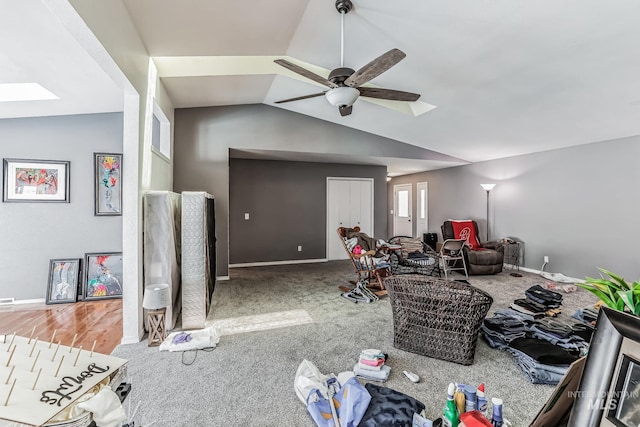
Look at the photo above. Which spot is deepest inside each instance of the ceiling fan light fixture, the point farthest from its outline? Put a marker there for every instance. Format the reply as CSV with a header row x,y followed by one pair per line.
x,y
342,96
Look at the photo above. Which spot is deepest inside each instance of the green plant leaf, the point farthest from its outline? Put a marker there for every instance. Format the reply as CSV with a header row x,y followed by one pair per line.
x,y
600,294
628,299
618,279
603,284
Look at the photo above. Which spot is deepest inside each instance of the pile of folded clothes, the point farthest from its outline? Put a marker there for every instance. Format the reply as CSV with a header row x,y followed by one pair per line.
x,y
371,366
539,302
588,314
541,361
544,348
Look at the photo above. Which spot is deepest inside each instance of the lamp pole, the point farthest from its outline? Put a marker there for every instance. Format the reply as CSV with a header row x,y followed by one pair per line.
x,y
488,188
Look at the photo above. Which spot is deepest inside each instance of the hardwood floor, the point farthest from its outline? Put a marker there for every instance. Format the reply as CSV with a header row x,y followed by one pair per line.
x,y
90,320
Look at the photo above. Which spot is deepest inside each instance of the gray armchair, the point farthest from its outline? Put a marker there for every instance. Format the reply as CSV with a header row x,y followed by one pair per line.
x,y
487,260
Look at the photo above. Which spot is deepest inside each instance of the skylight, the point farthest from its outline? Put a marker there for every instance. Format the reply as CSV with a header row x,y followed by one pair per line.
x,y
24,92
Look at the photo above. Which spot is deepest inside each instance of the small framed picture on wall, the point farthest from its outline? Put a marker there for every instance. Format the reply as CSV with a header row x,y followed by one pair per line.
x,y
108,184
63,281
103,276
35,181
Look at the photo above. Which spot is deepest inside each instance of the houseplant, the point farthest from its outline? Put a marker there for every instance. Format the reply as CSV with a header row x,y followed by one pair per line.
x,y
615,292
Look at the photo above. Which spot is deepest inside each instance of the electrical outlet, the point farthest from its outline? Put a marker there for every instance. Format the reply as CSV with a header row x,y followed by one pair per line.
x,y
546,258
299,248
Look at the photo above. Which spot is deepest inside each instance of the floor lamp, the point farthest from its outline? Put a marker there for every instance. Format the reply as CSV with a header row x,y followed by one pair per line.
x,y
488,188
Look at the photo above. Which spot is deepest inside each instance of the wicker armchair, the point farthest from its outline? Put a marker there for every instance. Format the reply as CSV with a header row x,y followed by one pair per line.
x,y
428,265
435,317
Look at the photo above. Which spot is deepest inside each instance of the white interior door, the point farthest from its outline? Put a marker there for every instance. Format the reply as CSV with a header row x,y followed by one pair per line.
x,y
349,204
422,213
402,225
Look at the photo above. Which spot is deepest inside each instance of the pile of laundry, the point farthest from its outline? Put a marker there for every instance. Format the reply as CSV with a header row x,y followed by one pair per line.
x,y
539,302
371,366
588,314
341,401
544,348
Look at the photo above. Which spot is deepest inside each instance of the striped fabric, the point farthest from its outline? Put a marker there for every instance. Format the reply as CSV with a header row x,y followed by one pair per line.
x,y
409,245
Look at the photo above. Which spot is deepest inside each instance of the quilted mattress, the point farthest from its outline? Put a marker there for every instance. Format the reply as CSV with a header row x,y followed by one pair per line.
x,y
197,257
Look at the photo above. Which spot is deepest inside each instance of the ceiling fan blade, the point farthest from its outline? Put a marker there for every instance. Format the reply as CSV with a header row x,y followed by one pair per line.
x,y
298,98
390,94
376,67
305,73
345,110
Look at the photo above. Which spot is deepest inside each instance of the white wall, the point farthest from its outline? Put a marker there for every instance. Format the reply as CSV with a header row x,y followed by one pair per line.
x,y
134,71
34,233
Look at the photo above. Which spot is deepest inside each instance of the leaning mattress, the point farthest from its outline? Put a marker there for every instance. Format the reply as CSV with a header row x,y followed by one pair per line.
x,y
196,274
162,246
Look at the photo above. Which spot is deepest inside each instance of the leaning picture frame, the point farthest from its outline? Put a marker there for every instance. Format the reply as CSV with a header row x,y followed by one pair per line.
x,y
35,180
62,286
103,276
609,390
107,183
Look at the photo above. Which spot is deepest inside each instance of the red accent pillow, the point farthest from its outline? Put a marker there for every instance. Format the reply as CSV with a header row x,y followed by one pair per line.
x,y
466,230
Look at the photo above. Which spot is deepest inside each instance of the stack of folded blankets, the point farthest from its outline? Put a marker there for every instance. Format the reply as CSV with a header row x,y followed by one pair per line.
x,y
543,348
371,366
539,302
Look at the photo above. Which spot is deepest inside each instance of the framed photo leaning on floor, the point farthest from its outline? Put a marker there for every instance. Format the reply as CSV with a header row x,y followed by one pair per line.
x,y
63,281
103,276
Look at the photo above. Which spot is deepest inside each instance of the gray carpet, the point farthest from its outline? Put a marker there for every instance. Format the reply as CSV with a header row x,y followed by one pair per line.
x,y
248,379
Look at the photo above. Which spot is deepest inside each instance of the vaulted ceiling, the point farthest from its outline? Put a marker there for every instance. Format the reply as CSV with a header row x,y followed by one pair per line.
x,y
506,77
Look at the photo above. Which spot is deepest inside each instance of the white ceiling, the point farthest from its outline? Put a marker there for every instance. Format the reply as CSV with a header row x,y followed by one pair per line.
x,y
35,47
508,77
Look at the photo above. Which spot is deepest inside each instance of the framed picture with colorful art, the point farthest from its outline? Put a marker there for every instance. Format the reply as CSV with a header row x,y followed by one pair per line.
x,y
108,184
63,281
103,276
35,181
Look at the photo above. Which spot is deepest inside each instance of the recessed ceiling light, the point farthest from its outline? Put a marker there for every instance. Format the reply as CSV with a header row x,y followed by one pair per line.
x,y
24,92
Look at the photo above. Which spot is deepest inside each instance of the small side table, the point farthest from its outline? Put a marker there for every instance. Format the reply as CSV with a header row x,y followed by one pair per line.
x,y
514,253
157,329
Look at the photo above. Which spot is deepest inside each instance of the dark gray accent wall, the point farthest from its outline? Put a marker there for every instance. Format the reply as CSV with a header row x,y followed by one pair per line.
x,y
577,205
33,233
287,206
203,137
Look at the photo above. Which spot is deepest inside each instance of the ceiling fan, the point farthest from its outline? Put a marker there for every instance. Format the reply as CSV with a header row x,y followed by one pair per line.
x,y
345,84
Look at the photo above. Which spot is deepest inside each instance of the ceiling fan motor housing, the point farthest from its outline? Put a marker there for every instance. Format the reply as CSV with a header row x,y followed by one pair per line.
x,y
339,75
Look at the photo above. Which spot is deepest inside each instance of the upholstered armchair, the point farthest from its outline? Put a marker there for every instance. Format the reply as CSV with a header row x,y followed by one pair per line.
x,y
480,257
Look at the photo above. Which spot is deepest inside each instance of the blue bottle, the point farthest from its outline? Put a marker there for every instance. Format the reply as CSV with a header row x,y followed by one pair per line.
x,y
496,418
470,398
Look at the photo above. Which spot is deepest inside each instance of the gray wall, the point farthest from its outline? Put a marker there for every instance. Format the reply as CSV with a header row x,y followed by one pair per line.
x,y
577,205
34,233
287,206
203,137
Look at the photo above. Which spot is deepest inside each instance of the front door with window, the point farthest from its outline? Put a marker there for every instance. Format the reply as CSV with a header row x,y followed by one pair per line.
x,y
402,225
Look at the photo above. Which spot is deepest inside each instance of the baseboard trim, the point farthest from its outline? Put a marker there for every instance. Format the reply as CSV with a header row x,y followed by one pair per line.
x,y
29,301
222,277
293,261
535,271
130,340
